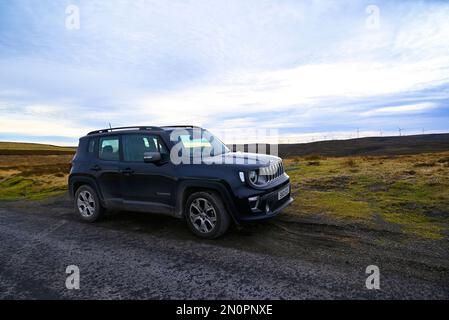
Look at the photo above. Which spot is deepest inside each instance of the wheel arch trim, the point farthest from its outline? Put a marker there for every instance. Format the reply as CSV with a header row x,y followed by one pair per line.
x,y
83,179
202,184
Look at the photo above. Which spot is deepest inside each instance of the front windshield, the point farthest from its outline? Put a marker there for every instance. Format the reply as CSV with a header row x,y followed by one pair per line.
x,y
199,142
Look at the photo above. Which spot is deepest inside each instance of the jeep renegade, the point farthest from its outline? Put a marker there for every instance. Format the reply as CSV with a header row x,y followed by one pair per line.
x,y
182,171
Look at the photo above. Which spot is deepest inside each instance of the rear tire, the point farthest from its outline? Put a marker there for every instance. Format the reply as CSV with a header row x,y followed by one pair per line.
x,y
206,215
87,204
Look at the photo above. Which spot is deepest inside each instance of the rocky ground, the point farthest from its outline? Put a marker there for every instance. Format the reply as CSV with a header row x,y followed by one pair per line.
x,y
142,256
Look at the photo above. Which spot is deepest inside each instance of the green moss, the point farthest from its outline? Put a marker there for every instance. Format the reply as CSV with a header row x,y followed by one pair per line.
x,y
416,224
18,187
14,187
380,185
344,206
334,204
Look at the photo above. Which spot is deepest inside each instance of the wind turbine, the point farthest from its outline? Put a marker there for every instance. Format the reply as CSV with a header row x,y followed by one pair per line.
x,y
400,131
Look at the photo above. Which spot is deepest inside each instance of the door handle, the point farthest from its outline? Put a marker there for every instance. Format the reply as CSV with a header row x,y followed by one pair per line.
x,y
127,171
95,168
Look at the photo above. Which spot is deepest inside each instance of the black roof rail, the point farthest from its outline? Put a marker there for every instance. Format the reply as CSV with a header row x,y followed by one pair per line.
x,y
124,128
181,126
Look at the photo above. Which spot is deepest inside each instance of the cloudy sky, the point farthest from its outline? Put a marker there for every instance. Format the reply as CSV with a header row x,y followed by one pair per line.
x,y
310,69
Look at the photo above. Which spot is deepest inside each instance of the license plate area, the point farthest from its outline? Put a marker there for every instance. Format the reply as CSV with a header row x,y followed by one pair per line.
x,y
283,192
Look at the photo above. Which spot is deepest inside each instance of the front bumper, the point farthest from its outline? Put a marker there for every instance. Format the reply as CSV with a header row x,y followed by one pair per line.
x,y
267,207
267,215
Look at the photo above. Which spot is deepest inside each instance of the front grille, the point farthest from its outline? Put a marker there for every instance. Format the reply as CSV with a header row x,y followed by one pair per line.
x,y
273,171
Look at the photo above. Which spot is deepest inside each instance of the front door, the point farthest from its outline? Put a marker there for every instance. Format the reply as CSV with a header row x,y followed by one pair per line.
x,y
146,187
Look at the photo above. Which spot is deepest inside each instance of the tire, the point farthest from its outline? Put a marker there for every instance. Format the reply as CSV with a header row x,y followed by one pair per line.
x,y
200,210
87,204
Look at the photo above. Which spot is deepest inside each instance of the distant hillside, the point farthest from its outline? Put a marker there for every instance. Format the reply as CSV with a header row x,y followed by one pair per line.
x,y
362,146
22,148
369,146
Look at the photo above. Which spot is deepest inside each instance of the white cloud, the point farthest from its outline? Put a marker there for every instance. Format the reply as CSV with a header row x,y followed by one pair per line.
x,y
303,90
41,109
35,126
403,109
221,65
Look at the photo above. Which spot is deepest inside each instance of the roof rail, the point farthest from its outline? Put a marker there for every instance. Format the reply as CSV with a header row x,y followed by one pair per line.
x,y
124,128
181,126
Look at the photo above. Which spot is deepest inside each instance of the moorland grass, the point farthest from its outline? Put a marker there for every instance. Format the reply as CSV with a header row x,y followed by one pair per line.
x,y
382,190
409,192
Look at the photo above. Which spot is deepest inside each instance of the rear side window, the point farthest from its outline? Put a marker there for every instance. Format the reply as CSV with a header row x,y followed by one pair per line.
x,y
109,149
135,145
91,146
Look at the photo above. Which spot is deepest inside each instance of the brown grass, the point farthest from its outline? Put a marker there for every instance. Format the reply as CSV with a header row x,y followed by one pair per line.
x,y
313,157
350,162
33,176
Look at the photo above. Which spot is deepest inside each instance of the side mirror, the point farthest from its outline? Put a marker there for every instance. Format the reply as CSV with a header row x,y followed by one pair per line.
x,y
151,156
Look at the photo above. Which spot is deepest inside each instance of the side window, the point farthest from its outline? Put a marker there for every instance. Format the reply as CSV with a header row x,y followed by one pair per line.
x,y
109,148
91,146
160,145
135,145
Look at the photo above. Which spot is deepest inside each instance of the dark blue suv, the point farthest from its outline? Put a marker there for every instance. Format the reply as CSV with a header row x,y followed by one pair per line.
x,y
182,171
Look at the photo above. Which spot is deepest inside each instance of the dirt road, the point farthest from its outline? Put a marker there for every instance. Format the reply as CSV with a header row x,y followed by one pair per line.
x,y
138,256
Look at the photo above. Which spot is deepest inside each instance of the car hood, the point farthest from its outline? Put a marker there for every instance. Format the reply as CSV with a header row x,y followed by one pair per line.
x,y
242,158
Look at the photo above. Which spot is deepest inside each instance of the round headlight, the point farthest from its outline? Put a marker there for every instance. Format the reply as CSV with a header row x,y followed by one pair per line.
x,y
253,177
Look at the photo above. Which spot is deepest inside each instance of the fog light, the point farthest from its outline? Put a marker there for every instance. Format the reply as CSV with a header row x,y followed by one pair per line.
x,y
267,208
253,202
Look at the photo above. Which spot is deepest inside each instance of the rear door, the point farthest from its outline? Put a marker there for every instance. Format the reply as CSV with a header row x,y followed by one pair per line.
x,y
146,187
106,170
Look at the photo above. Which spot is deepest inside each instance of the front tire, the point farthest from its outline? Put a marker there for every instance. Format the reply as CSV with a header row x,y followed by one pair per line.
x,y
206,215
87,204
